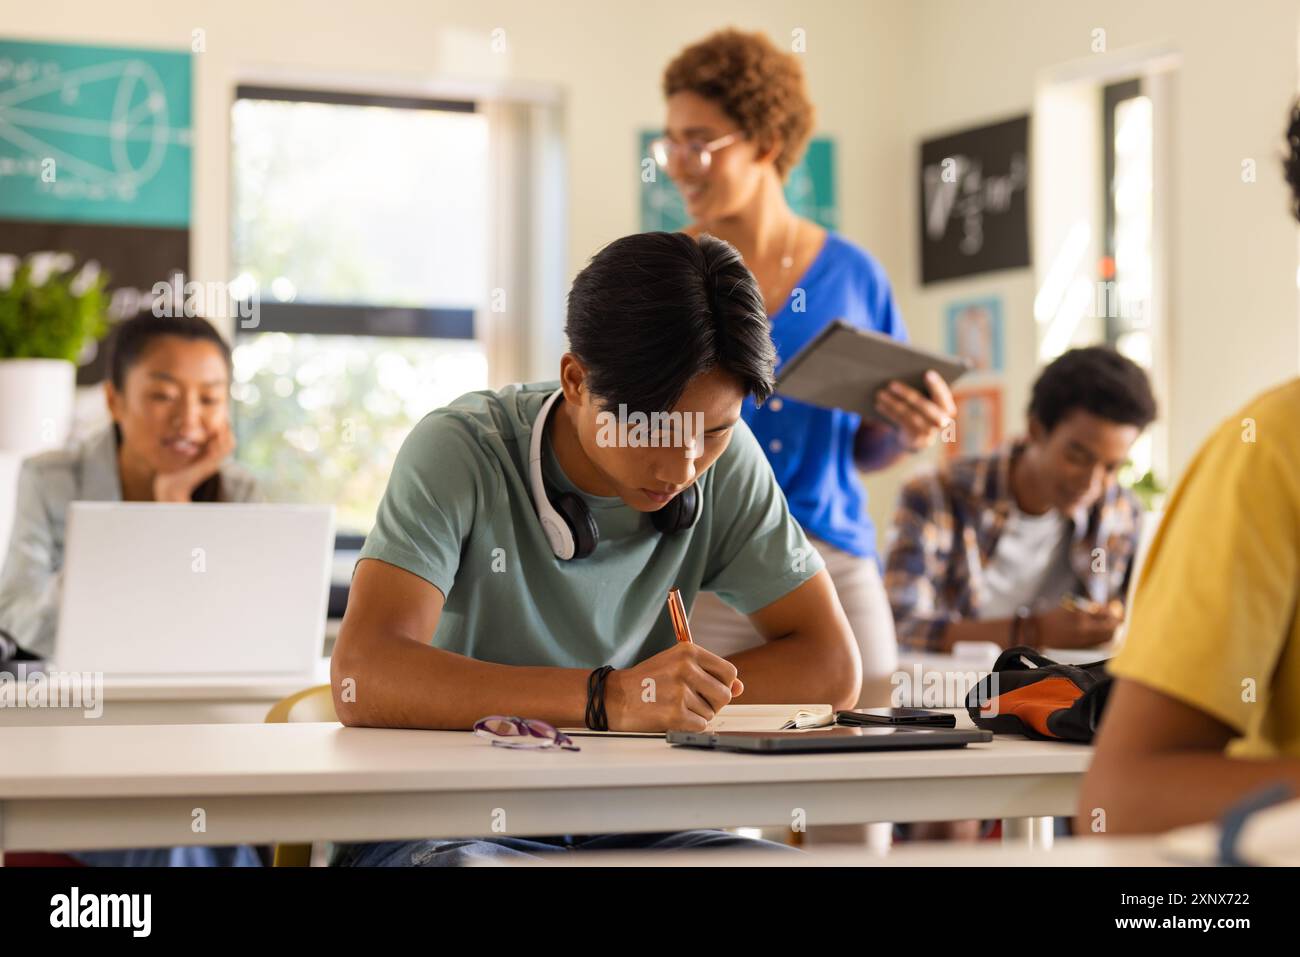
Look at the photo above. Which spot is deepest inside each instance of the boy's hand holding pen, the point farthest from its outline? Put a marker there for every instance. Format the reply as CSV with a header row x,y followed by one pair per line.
x,y
680,689
682,628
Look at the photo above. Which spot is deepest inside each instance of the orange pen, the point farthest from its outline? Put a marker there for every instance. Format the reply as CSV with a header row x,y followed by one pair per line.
x,y
677,612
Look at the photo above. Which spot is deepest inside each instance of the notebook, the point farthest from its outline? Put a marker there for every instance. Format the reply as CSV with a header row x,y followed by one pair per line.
x,y
741,717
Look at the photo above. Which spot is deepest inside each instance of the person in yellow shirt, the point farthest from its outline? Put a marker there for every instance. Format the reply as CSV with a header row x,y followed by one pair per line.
x,y
1206,704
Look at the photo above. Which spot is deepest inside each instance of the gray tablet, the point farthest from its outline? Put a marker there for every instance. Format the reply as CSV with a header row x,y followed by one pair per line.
x,y
830,739
843,367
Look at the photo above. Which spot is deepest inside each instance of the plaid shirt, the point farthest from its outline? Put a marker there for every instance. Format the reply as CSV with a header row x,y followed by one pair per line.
x,y
946,529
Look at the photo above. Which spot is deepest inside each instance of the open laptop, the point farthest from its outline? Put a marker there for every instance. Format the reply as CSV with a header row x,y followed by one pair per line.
x,y
195,591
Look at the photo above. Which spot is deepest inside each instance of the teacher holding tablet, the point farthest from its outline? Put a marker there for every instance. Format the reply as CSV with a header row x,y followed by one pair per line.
x,y
738,119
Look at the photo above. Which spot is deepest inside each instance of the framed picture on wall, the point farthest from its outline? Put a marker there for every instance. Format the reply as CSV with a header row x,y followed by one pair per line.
x,y
979,421
973,330
95,161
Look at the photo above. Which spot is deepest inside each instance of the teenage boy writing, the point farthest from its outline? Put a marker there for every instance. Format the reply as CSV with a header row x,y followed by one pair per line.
x,y
463,606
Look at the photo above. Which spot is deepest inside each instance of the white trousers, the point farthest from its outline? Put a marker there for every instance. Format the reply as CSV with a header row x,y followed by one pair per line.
x,y
724,631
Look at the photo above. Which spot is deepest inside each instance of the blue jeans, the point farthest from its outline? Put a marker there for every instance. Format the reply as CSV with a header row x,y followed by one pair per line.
x,y
239,855
457,852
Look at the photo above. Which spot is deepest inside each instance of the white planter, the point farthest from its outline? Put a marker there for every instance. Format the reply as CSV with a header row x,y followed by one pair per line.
x,y
36,399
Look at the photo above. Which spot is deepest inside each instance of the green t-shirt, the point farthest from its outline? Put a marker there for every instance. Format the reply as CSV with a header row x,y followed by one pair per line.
x,y
458,512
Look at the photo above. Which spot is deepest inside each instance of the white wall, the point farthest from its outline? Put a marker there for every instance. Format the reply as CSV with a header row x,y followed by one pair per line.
x,y
1233,310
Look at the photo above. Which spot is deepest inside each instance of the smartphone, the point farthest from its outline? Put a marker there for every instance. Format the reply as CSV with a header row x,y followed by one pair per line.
x,y
896,718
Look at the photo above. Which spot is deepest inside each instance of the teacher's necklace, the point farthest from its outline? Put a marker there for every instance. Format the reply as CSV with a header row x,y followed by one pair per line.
x,y
787,262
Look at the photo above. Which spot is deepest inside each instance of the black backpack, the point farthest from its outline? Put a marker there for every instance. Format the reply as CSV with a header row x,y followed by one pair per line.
x,y
1029,694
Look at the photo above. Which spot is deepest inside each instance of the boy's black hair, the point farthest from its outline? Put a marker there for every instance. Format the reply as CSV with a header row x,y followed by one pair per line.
x,y
653,310
1096,379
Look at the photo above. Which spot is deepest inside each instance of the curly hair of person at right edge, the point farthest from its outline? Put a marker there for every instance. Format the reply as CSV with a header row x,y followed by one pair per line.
x,y
1291,161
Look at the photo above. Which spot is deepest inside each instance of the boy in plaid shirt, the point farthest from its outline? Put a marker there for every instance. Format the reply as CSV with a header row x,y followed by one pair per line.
x,y
1032,544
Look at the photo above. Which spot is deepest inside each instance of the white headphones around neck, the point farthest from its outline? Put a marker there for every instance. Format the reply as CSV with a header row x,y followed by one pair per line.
x,y
566,520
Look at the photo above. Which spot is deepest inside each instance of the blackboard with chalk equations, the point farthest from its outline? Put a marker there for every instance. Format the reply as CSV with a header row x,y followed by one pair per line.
x,y
974,196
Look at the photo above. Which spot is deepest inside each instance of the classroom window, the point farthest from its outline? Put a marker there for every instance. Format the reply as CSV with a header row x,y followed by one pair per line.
x,y
1127,263
362,222
1101,223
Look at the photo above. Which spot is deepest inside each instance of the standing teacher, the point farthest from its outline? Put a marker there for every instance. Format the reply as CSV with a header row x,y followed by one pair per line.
x,y
738,121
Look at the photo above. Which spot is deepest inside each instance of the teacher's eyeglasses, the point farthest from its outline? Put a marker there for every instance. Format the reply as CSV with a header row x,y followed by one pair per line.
x,y
693,156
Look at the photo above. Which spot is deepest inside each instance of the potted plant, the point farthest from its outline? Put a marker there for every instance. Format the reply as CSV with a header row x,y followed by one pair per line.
x,y
48,314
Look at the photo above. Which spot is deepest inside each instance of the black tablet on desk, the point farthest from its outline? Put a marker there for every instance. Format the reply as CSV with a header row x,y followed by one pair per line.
x,y
830,739
843,367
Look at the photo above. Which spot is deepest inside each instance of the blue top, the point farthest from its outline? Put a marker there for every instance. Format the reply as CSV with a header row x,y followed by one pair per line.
x,y
811,448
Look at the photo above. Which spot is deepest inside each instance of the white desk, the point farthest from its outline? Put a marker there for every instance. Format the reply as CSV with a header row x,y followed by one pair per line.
x,y
170,701
104,786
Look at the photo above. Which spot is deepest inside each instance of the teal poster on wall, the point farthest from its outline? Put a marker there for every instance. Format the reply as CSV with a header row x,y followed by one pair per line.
x,y
810,190
95,134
